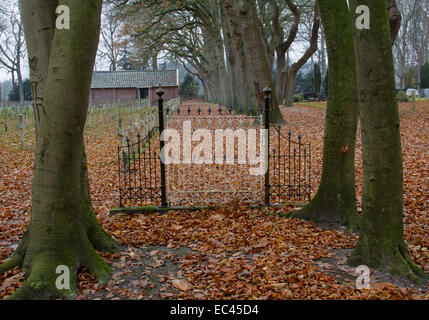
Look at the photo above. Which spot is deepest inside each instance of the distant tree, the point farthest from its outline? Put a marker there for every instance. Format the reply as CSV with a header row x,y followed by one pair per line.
x,y
12,42
124,61
293,70
425,76
413,38
189,88
409,78
304,82
14,92
129,61
111,40
317,78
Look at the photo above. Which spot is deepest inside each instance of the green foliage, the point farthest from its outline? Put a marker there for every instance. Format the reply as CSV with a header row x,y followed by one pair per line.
x,y
304,82
310,82
14,93
189,88
317,78
424,83
402,96
410,80
298,98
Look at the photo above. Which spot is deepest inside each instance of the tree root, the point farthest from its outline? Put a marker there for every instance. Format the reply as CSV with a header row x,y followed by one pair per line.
x,y
41,267
397,262
13,262
17,258
42,277
41,281
100,240
98,266
318,213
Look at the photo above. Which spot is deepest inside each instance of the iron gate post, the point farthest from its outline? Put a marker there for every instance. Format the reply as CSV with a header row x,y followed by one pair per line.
x,y
267,93
119,175
160,93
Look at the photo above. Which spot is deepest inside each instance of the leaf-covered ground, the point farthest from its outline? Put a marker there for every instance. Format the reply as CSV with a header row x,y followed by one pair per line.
x,y
230,253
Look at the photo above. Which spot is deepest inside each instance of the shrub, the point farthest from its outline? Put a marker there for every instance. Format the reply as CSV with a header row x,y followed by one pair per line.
x,y
298,98
402,96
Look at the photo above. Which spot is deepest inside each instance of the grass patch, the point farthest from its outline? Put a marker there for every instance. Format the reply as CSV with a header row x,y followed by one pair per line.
x,y
319,105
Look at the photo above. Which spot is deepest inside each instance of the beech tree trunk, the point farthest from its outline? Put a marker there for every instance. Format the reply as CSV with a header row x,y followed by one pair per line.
x,y
281,74
258,64
335,201
154,60
323,65
395,19
283,47
225,91
238,62
233,63
381,240
20,82
63,229
293,71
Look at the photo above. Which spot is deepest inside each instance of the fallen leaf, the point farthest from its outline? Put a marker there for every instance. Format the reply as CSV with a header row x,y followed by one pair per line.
x,y
181,285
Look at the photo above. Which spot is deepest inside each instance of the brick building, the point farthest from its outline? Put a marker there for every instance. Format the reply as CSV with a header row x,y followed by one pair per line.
x,y
107,86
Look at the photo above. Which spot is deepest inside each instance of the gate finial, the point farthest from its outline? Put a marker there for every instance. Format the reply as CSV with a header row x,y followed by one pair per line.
x,y
160,92
267,91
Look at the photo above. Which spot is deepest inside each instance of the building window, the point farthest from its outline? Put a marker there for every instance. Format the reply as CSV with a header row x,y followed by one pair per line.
x,y
144,93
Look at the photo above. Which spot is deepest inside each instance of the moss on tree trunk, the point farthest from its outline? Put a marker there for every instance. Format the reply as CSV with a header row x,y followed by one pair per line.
x,y
335,201
63,229
381,240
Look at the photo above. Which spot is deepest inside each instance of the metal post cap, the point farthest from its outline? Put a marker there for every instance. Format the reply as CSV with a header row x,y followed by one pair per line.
x,y
160,92
267,91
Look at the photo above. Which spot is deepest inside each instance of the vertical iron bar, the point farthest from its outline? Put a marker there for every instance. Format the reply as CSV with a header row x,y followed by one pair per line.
x,y
129,169
299,166
294,173
119,180
160,93
140,164
289,167
305,169
279,128
267,93
309,171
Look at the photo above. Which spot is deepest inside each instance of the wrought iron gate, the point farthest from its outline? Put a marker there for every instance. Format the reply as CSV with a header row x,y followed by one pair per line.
x,y
206,177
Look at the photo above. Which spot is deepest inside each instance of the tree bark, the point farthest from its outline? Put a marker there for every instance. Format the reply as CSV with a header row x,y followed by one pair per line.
x,y
225,92
40,19
293,71
254,48
283,47
154,59
233,73
323,63
238,62
395,19
381,240
335,201
20,82
63,229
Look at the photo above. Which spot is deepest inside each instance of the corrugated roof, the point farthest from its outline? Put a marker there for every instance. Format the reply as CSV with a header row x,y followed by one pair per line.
x,y
134,79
